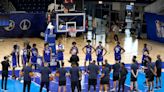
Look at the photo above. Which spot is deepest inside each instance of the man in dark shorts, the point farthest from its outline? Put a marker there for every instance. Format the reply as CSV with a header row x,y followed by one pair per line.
x,y
104,79
5,66
151,74
122,77
62,78
134,74
116,68
93,71
158,65
45,75
75,74
27,71
146,62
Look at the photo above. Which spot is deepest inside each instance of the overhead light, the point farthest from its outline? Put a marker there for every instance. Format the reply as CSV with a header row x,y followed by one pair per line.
x,y
100,2
131,3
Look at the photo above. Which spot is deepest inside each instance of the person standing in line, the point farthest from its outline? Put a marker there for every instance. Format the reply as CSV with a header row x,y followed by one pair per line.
x,y
88,53
100,53
18,54
75,74
93,71
45,76
28,46
151,74
116,68
24,55
107,65
34,56
74,51
47,53
60,52
5,66
62,78
122,77
134,75
14,60
118,50
135,59
145,67
145,53
104,79
27,74
158,64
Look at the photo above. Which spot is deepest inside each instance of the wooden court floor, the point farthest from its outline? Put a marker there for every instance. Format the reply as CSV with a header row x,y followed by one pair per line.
x,y
131,45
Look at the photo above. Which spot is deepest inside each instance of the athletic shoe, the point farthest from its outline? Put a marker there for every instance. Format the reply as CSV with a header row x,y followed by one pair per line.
x,y
113,89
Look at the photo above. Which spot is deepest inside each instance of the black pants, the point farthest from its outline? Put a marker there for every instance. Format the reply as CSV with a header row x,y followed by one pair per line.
x,y
18,60
4,77
42,85
28,58
28,84
98,63
92,82
121,83
75,84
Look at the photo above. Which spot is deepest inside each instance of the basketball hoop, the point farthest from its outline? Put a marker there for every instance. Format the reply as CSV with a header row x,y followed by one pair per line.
x,y
72,31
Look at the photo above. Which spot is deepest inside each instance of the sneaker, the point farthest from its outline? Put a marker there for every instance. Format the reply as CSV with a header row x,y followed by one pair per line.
x,y
113,89
160,87
5,90
156,87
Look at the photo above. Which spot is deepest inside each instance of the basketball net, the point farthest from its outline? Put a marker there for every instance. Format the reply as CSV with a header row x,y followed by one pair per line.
x,y
72,31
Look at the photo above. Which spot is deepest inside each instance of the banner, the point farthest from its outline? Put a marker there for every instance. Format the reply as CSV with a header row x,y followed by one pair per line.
x,y
155,27
24,25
